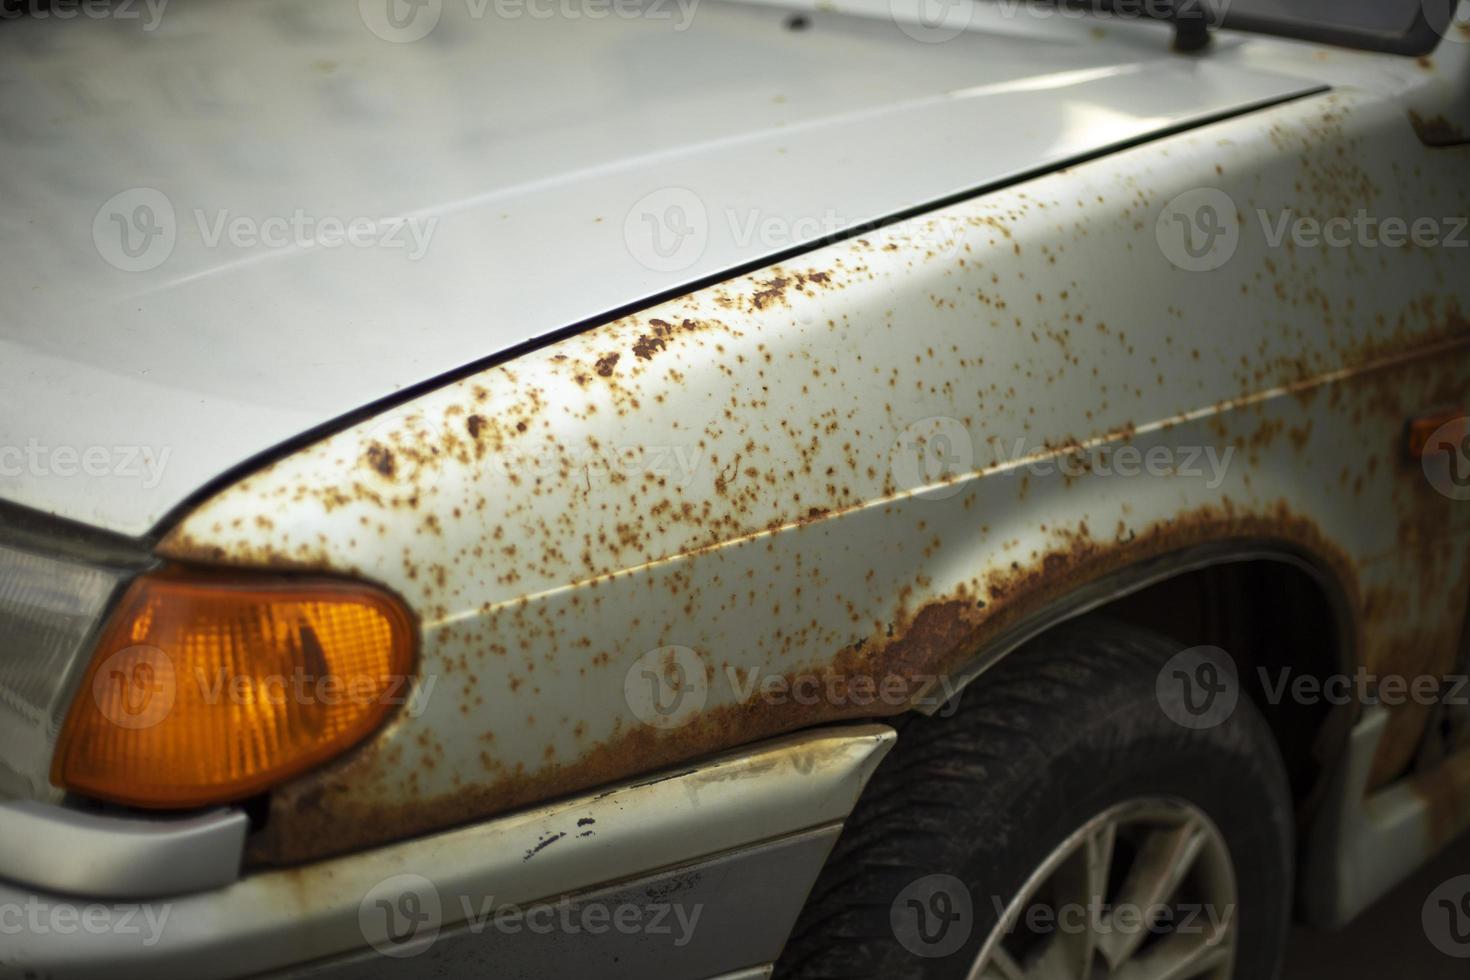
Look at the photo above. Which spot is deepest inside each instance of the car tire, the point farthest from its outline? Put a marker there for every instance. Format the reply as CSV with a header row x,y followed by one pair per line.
x,y
968,810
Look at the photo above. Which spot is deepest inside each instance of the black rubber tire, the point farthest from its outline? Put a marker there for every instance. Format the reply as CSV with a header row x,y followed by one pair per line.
x,y
1061,730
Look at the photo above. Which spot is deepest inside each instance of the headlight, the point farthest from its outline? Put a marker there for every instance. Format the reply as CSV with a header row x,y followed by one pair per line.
x,y
48,609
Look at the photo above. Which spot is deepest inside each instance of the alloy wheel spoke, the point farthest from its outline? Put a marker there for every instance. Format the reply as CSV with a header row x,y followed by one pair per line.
x,y
1181,957
1099,863
1160,866
1002,966
1169,843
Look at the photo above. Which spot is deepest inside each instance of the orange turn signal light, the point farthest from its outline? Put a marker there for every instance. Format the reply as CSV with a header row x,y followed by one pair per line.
x,y
1450,425
207,688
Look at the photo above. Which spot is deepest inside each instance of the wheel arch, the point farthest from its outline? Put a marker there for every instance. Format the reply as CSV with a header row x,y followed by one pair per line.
x,y
1236,595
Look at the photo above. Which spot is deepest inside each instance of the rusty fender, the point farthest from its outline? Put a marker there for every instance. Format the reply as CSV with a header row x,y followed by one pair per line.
x,y
730,473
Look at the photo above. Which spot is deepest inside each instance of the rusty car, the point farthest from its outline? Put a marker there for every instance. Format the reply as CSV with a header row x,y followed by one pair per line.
x,y
635,488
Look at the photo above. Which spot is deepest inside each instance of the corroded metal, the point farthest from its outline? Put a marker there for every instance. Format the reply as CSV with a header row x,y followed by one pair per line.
x,y
739,475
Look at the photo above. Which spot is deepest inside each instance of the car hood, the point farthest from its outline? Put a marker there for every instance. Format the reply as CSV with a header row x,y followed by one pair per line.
x,y
226,224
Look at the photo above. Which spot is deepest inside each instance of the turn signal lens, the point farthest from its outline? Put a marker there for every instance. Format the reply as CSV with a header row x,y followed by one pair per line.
x,y
209,689
1450,425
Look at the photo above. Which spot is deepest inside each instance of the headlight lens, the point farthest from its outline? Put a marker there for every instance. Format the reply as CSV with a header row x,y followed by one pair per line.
x,y
48,610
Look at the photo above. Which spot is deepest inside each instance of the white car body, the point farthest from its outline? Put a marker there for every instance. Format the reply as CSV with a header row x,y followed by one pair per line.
x,y
650,324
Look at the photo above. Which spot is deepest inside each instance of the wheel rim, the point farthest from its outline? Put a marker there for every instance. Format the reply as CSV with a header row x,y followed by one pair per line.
x,y
1145,890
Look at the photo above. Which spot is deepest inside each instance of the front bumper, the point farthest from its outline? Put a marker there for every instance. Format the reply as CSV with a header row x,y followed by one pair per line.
x,y
693,874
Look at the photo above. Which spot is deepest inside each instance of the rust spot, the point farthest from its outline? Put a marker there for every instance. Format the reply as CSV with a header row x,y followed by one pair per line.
x,y
380,458
1436,130
606,363
772,291
645,347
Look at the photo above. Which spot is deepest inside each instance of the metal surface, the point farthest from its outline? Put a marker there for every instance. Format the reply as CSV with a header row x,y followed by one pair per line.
x,y
540,196
278,919
1120,869
53,849
714,915
1372,841
769,521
